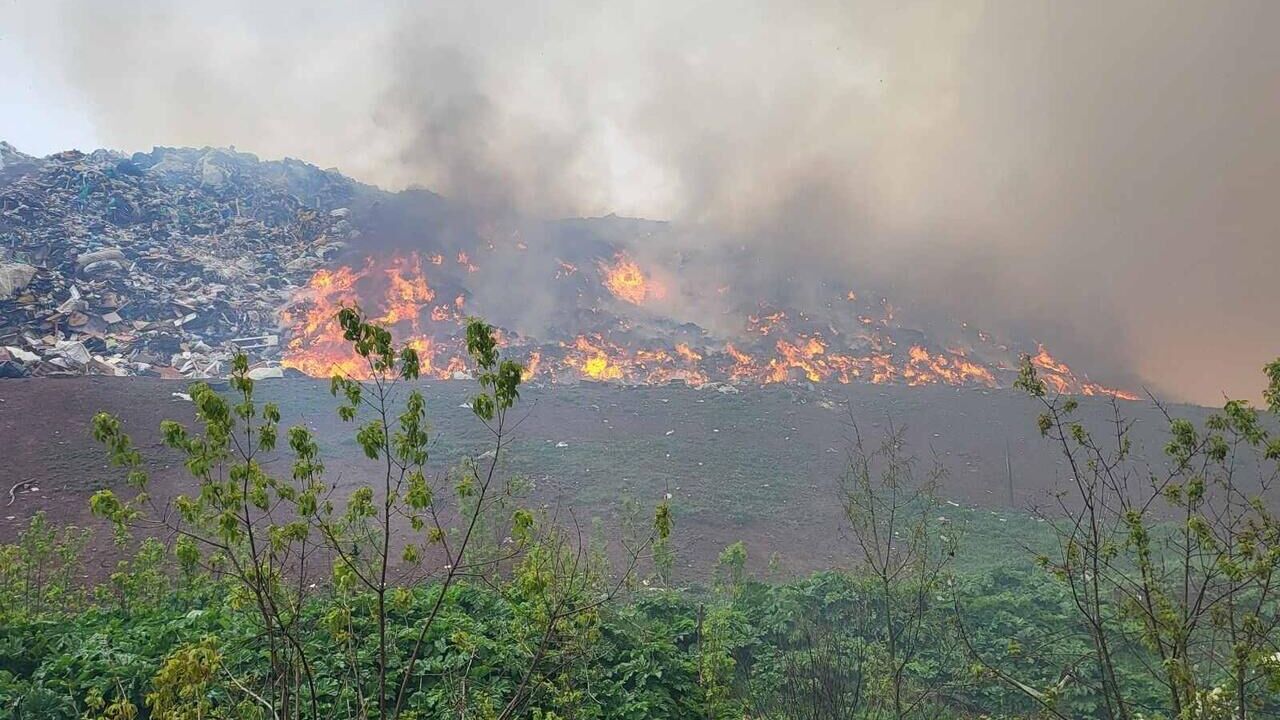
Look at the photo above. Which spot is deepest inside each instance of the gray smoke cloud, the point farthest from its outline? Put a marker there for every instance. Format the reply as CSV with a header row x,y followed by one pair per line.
x,y
1094,175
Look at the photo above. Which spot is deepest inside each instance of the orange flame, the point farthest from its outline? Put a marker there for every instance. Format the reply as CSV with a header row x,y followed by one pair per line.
x,y
1058,376
407,292
628,282
531,366
951,368
772,347
316,346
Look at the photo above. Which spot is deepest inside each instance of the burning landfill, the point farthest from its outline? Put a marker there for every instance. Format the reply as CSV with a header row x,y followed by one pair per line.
x,y
167,263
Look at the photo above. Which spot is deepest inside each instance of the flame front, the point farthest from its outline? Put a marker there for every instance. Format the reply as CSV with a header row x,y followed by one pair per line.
x,y
402,302
771,347
1058,376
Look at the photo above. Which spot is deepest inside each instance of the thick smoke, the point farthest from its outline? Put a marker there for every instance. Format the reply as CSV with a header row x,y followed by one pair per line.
x,y
1095,175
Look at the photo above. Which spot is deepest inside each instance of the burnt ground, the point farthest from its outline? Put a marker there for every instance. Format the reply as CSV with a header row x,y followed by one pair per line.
x,y
761,466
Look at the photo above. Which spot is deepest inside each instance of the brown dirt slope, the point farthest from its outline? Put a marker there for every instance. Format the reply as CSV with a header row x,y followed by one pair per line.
x,y
761,465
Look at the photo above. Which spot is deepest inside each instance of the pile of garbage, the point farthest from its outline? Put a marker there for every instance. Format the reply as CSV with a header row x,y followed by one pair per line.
x,y
163,263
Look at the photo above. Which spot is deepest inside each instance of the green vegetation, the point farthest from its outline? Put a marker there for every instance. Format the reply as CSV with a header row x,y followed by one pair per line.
x,y
745,647
1148,593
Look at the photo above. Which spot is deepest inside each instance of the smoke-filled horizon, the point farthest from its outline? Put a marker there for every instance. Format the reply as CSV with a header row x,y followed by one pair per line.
x,y
1094,175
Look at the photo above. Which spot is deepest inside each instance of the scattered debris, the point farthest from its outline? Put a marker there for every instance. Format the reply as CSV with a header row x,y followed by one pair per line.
x,y
163,263
14,489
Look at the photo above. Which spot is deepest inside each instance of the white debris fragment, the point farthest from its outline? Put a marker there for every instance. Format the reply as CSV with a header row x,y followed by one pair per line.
x,y
266,373
74,351
256,342
14,277
22,355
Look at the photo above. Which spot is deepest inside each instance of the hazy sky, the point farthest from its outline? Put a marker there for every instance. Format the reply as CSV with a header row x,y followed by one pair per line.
x,y
1099,174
